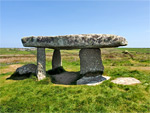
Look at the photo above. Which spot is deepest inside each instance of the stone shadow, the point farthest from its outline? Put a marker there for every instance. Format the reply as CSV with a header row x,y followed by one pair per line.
x,y
61,76
58,76
17,76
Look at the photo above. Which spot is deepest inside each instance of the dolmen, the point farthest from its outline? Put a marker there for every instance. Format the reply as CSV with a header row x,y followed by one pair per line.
x,y
91,66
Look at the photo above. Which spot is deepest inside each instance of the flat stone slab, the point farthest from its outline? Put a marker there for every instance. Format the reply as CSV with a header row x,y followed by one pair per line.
x,y
126,81
101,81
75,41
92,80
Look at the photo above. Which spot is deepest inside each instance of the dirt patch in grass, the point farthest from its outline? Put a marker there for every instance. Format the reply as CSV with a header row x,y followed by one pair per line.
x,y
131,68
140,68
14,59
10,68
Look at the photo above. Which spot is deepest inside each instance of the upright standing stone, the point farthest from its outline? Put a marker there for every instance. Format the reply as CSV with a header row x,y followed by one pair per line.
x,y
56,60
91,66
90,61
41,73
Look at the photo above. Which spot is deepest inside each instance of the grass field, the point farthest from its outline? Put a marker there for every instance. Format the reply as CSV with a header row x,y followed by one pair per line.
x,y
30,95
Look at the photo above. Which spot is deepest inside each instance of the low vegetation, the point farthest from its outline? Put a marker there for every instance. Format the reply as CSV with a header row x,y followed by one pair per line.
x,y
30,95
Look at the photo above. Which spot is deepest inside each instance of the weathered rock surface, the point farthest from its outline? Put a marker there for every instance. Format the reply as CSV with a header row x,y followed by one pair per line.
x,y
65,78
92,80
26,69
90,62
126,81
56,60
99,82
41,73
86,80
75,41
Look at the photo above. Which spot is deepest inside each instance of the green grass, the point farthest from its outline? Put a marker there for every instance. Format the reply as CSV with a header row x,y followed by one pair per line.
x,y
15,51
30,95
135,50
4,65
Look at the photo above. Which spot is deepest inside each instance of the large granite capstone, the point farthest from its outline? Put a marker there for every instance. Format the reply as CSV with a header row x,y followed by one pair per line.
x,y
75,41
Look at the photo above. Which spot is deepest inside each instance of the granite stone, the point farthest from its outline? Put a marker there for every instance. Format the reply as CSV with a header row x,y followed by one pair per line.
x,y
75,41
41,73
56,60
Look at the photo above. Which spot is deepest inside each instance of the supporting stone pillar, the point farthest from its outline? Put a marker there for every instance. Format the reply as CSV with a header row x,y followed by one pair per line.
x,y
56,60
91,67
41,73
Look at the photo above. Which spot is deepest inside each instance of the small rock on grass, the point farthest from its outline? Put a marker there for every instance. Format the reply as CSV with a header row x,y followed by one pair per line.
x,y
126,81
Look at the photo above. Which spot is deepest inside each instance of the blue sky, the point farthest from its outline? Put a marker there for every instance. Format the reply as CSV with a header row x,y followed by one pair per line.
x,y
130,19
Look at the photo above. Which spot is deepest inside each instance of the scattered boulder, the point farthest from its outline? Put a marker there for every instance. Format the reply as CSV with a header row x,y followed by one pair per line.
x,y
24,72
25,69
127,53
